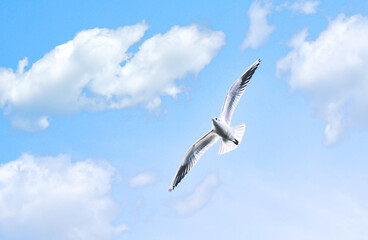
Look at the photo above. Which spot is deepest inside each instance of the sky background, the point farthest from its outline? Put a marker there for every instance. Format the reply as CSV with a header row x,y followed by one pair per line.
x,y
100,100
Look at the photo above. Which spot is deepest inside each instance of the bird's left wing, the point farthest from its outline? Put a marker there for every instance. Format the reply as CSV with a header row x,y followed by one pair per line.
x,y
235,92
193,155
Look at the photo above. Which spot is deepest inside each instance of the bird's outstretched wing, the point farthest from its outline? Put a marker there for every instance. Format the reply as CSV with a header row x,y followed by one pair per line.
x,y
235,92
193,155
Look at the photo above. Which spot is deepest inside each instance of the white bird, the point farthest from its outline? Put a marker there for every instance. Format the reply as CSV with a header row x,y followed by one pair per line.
x,y
231,136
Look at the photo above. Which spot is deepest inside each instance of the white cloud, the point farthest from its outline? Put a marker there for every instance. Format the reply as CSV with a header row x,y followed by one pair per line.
x,y
53,198
142,179
193,202
304,7
259,30
94,71
30,124
332,72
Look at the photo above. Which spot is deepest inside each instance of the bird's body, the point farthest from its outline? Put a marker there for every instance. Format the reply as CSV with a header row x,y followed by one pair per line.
x,y
223,130
230,136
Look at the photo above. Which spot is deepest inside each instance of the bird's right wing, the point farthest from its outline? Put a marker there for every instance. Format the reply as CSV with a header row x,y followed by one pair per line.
x,y
193,155
235,92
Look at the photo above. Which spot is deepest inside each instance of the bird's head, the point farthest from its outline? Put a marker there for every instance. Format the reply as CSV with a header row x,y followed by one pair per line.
x,y
215,120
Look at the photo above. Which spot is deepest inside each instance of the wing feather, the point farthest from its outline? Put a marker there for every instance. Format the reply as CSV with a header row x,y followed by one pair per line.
x,y
193,155
235,92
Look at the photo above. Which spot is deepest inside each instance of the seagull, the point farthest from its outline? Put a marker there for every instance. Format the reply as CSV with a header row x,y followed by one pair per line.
x,y
231,136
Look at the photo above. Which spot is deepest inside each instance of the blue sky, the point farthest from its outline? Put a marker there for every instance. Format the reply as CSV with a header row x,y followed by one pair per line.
x,y
100,101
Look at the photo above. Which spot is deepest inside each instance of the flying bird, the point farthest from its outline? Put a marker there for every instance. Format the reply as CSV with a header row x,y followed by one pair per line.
x,y
230,136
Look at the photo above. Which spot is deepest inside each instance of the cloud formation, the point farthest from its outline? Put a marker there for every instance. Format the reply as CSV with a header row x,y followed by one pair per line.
x,y
304,7
332,72
259,29
53,198
201,195
142,179
311,204
95,71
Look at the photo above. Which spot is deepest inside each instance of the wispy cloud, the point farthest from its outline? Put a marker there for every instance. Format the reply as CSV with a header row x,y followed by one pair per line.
x,y
53,198
95,71
332,72
321,207
259,29
142,179
202,194
303,7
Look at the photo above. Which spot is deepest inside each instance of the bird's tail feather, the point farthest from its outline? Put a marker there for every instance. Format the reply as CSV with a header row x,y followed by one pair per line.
x,y
227,146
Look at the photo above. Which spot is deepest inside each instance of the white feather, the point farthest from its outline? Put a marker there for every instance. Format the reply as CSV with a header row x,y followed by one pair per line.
x,y
193,155
235,92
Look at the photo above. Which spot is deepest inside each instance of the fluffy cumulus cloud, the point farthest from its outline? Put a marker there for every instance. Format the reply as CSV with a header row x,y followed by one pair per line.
x,y
95,71
304,7
332,72
53,198
142,179
187,205
259,29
